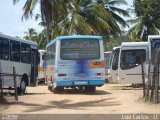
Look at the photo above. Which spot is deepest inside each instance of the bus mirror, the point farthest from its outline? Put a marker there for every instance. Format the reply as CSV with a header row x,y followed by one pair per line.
x,y
38,58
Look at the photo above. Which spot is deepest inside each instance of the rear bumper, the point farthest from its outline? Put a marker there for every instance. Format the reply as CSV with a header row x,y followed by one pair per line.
x,y
80,83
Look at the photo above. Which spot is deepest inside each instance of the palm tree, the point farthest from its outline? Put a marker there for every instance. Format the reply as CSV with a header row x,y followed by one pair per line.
x,y
62,17
118,14
51,11
145,23
41,40
30,34
87,17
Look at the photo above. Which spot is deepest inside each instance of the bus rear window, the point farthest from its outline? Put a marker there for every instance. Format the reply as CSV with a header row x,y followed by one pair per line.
x,y
80,49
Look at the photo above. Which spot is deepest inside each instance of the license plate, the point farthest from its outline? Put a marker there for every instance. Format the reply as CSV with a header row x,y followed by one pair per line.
x,y
80,83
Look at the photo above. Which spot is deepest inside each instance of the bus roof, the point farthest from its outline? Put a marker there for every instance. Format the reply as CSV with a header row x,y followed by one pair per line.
x,y
73,36
130,44
108,52
116,47
153,36
18,39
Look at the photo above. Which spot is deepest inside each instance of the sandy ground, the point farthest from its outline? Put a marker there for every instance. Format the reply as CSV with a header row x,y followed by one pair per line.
x,y
39,100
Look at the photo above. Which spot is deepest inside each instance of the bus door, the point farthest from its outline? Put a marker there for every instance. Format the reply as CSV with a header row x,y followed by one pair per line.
x,y
114,66
130,71
34,66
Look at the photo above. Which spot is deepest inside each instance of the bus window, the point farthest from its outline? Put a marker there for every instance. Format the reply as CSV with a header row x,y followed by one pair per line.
x,y
4,49
80,49
43,57
115,59
107,57
25,53
15,51
131,58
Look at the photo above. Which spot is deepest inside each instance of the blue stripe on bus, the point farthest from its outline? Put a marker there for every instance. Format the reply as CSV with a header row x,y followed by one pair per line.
x,y
80,83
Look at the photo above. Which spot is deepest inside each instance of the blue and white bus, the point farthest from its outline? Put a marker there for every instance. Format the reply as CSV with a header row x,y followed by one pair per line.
x,y
75,61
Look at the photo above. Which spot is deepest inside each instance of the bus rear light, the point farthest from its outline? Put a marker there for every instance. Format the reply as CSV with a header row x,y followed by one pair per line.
x,y
61,75
99,74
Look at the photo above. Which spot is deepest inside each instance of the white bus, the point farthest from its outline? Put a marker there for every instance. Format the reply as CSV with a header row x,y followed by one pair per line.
x,y
41,66
129,68
154,45
75,61
113,65
106,59
21,54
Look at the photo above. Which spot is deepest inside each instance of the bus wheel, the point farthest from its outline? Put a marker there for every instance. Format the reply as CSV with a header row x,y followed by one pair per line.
x,y
50,88
21,90
90,89
58,90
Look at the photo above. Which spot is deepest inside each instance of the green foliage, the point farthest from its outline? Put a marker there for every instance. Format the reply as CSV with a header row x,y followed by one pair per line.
x,y
61,17
114,41
148,15
148,8
40,38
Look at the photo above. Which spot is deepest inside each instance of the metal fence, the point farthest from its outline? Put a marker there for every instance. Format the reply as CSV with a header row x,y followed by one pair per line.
x,y
151,87
1,83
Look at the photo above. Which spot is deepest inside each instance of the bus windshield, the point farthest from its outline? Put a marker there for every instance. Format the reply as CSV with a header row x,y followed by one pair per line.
x,y
155,45
80,49
115,58
132,58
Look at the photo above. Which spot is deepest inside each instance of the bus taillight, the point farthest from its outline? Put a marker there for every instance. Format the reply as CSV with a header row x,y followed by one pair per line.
x,y
61,75
99,74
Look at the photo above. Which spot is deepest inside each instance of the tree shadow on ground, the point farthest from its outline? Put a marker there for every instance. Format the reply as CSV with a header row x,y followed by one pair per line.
x,y
68,104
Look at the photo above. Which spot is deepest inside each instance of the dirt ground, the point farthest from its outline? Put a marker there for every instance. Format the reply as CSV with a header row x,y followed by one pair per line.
x,y
106,100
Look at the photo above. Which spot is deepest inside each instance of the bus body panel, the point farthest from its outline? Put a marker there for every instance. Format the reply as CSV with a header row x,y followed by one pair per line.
x,y
130,70
69,73
41,66
8,68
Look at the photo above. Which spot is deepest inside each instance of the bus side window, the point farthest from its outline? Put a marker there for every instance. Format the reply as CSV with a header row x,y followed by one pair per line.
x,y
25,53
43,57
15,51
4,49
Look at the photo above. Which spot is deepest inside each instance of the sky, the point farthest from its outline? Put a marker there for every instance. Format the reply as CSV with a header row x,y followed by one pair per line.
x,y
10,18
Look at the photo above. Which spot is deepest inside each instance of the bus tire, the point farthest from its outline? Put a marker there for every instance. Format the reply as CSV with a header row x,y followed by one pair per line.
x,y
50,88
21,90
90,89
58,90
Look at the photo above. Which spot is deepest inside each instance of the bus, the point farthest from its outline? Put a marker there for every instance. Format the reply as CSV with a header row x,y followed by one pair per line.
x,y
106,58
113,65
132,54
154,45
41,67
21,54
75,61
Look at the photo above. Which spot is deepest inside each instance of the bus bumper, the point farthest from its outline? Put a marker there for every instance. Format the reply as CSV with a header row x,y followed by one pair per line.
x,y
80,83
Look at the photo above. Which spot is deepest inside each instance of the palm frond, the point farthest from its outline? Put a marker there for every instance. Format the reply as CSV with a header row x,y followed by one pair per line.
x,y
120,11
117,2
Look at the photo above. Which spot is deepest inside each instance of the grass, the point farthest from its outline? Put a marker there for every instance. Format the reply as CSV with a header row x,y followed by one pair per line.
x,y
147,100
